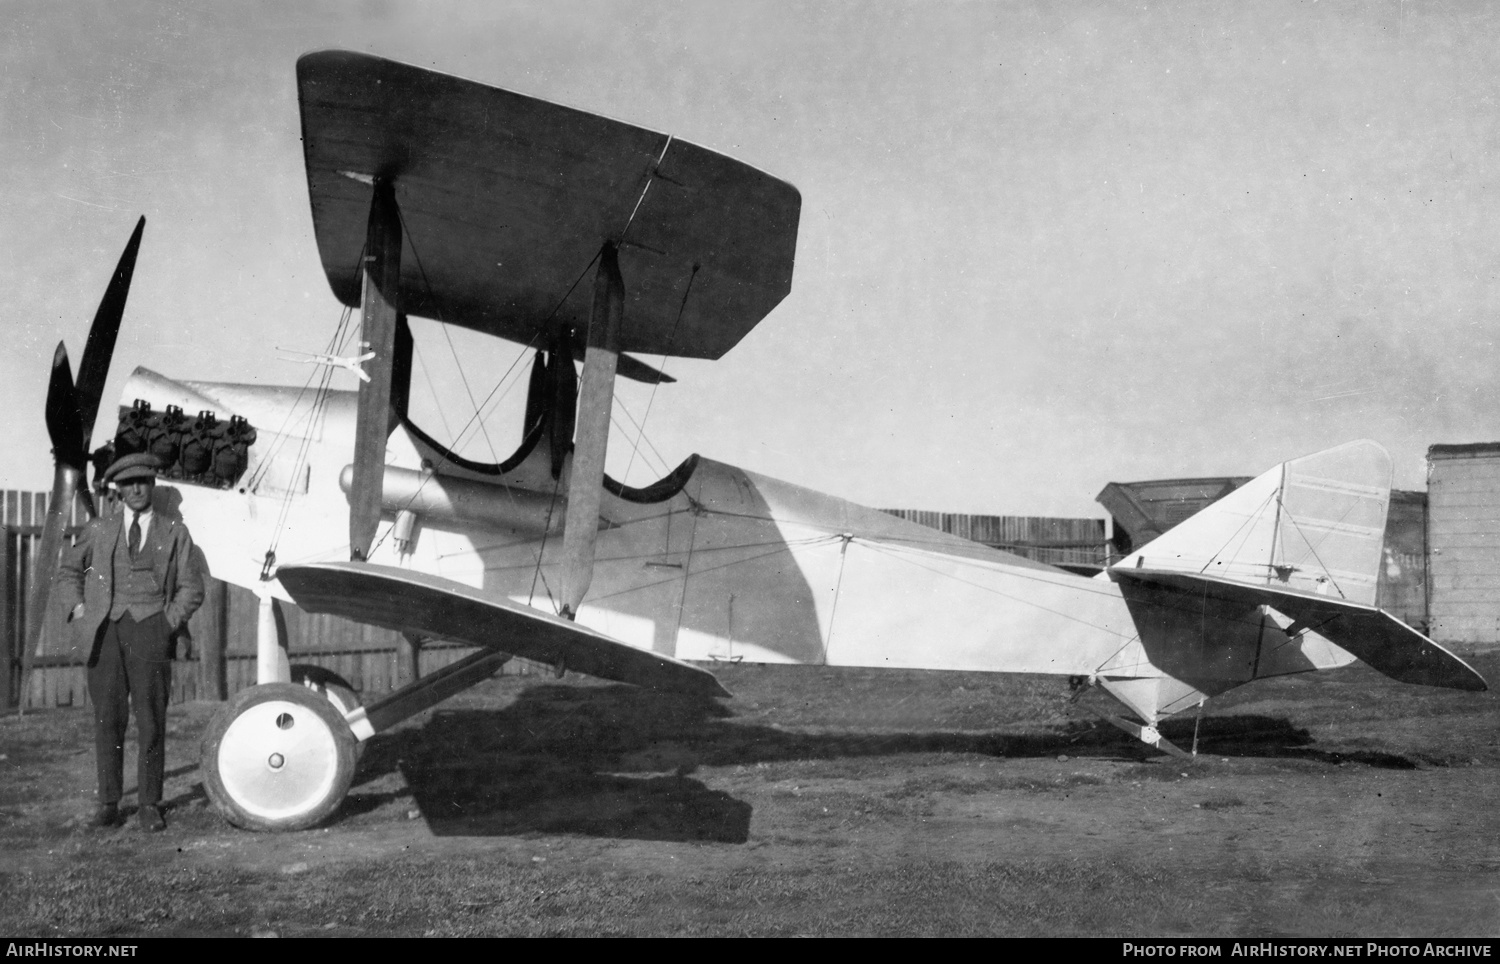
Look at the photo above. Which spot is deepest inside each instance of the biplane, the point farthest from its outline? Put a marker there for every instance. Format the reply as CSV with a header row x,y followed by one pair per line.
x,y
598,245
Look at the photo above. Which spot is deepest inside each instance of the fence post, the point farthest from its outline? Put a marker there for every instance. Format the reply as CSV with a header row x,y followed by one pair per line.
x,y
8,646
408,659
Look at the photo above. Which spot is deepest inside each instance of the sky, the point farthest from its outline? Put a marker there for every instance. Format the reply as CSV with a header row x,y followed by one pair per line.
x,y
1043,246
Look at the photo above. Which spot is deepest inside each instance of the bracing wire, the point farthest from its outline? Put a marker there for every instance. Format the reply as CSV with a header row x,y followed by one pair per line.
x,y
315,413
536,572
478,408
422,269
640,431
651,399
1244,527
650,176
432,389
477,413
1313,548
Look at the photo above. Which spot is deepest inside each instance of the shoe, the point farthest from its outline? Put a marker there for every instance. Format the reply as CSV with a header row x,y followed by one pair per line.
x,y
150,819
108,815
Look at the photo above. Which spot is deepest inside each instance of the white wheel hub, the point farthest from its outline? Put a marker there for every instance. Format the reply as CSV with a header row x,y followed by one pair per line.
x,y
278,760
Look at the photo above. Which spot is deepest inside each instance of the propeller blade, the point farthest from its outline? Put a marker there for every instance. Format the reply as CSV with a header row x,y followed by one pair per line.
x,y
93,367
64,424
70,413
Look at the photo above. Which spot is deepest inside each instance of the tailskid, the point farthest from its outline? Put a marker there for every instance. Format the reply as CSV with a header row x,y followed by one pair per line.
x,y
1145,732
1148,735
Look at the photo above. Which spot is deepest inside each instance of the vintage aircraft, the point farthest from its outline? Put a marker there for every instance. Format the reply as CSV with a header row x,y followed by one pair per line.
x,y
440,198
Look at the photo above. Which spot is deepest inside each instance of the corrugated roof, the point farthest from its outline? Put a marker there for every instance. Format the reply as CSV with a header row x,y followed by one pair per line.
x,y
1473,450
1147,509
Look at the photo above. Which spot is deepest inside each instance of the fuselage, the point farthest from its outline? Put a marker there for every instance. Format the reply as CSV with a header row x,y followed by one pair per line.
x,y
714,563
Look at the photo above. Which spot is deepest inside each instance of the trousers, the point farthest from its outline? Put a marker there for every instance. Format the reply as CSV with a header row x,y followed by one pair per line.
x,y
134,666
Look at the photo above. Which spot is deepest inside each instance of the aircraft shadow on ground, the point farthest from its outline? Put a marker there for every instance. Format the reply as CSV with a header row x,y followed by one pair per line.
x,y
616,761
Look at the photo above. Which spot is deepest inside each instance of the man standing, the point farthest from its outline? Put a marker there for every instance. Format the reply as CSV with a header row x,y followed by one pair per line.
x,y
131,584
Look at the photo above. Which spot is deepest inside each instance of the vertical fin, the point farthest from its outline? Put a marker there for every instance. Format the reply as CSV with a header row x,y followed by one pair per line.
x,y
1314,524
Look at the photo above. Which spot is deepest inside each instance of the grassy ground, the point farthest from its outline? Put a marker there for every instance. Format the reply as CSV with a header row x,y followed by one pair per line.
x,y
837,802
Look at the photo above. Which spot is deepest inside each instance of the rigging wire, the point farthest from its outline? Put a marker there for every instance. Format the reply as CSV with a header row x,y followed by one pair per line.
x,y
477,414
650,176
263,465
478,407
304,449
432,390
660,461
536,572
672,338
651,399
315,413
1255,515
884,549
422,269
1313,548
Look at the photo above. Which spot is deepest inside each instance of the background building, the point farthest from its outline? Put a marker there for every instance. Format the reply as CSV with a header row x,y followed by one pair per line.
x,y
1463,542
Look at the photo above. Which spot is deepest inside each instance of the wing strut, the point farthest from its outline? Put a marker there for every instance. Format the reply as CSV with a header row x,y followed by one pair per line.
x,y
595,399
379,309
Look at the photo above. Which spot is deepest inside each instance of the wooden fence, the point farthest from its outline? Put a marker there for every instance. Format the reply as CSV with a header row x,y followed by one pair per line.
x,y
1056,541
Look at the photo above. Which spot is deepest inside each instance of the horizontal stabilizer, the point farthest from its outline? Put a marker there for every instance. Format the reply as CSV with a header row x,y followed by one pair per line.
x,y
1375,636
506,200
414,602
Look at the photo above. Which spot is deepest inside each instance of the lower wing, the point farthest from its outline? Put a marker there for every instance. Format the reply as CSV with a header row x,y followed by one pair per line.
x,y
414,602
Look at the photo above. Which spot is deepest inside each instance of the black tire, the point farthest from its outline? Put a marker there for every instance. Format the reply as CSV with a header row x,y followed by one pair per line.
x,y
279,757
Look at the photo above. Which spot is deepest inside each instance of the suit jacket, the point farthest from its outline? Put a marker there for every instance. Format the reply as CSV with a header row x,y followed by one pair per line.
x,y
87,574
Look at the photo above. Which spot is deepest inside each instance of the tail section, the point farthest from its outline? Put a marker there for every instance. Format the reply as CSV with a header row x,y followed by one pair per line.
x,y
1313,525
1277,577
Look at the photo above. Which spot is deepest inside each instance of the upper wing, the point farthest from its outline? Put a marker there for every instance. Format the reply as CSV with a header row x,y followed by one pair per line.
x,y
415,602
506,200
1371,634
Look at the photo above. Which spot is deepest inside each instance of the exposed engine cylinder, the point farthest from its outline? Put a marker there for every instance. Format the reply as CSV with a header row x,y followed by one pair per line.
x,y
205,451
198,447
134,433
166,435
232,449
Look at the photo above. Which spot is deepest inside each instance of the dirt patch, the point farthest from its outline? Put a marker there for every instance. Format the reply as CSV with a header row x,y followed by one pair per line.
x,y
818,801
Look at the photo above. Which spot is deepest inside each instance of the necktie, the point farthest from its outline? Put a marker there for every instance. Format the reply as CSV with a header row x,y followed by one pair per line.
x,y
135,533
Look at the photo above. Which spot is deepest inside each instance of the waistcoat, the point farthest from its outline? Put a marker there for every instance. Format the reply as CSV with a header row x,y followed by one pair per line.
x,y
137,590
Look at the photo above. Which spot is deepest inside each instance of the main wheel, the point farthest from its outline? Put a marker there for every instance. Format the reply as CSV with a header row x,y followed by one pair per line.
x,y
278,757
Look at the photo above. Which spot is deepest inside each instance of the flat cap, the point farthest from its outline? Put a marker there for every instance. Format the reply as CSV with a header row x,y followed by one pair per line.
x,y
141,465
